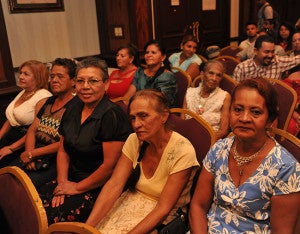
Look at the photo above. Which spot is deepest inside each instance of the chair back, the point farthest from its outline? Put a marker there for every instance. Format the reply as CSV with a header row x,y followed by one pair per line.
x,y
20,203
287,100
122,102
228,83
230,50
204,60
196,130
71,228
288,141
183,81
229,63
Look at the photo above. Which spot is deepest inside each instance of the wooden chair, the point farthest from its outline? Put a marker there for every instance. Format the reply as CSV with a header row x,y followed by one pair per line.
x,y
292,144
71,228
196,129
204,60
287,99
20,203
229,63
122,102
183,81
227,83
230,50
287,140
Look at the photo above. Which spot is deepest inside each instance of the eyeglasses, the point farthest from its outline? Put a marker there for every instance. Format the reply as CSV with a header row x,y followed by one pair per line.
x,y
91,82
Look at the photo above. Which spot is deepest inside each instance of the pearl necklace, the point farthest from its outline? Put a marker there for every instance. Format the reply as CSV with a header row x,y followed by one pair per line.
x,y
203,103
243,160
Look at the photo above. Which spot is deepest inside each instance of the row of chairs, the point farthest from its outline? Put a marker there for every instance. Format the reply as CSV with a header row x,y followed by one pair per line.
x,y
22,207
287,96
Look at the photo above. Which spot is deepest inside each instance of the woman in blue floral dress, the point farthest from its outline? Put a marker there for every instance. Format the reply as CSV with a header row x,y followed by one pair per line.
x,y
249,183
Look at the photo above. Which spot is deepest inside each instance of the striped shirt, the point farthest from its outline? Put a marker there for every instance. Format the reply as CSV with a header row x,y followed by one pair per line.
x,y
249,69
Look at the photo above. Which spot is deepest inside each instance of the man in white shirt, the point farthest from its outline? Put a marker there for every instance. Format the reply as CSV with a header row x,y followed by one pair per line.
x,y
251,31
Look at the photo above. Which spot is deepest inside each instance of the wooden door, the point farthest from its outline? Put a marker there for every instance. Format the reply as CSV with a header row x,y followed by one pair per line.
x,y
172,21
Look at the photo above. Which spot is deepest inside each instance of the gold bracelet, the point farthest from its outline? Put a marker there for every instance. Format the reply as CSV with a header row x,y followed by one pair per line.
x,y
30,156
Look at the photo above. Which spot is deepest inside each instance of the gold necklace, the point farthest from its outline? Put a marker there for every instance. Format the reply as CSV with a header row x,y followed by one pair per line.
x,y
25,96
243,160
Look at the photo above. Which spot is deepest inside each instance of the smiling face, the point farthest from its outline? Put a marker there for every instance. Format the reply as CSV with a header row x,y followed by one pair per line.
x,y
26,79
296,42
60,81
248,115
123,58
146,121
89,85
265,54
188,49
154,56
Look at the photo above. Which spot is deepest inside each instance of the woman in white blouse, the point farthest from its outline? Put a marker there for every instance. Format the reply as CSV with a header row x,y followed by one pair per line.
x,y
33,79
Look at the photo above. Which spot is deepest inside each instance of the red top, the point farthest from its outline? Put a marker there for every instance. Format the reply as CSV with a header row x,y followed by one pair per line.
x,y
295,84
119,83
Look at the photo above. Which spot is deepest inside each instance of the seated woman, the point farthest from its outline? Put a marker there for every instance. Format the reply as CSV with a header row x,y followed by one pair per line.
x,y
209,100
156,74
42,137
248,183
120,80
284,37
92,132
20,113
164,162
187,60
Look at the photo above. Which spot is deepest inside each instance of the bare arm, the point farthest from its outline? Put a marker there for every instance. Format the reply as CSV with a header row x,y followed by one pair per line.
x,y
193,70
201,202
5,128
167,200
111,191
224,125
130,92
285,210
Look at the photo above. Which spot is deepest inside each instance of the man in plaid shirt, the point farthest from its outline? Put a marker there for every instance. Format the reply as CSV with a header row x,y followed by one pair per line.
x,y
265,63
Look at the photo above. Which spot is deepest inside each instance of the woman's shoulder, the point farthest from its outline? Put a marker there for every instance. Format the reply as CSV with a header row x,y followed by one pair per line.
x,y
283,156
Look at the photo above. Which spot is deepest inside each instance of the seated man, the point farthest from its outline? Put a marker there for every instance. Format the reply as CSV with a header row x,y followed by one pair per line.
x,y
265,63
251,31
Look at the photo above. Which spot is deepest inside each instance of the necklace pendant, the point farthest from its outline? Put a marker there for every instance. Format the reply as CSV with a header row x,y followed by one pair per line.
x,y
241,172
200,109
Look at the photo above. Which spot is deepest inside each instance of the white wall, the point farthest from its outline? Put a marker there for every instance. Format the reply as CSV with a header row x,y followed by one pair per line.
x,y
46,36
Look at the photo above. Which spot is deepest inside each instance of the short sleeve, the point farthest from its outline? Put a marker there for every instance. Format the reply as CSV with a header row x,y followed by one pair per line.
x,y
288,179
131,148
115,125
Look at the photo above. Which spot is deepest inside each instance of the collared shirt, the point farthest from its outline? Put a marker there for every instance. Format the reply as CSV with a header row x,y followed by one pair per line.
x,y
249,69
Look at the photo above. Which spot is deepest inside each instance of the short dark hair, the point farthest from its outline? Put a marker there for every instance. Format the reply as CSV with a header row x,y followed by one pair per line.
x,y
261,39
132,51
251,23
94,62
266,90
69,64
189,37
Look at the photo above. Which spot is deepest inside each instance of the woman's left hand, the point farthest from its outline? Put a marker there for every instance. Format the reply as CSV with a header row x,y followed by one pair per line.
x,y
66,188
31,166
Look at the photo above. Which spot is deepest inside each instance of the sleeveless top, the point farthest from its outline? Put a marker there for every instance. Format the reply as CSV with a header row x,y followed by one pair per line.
x,y
212,105
119,89
24,114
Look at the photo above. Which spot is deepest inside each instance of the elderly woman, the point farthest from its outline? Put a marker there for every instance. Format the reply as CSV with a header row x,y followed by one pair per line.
x,y
42,138
166,162
92,132
121,79
249,183
155,75
187,59
209,100
20,113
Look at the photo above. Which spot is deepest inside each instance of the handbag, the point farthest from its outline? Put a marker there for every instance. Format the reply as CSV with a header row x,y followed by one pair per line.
x,y
179,225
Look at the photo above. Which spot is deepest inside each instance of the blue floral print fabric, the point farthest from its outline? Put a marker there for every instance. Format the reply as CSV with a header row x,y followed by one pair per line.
x,y
247,208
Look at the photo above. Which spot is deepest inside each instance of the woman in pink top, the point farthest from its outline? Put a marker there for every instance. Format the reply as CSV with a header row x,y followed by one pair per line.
x,y
120,80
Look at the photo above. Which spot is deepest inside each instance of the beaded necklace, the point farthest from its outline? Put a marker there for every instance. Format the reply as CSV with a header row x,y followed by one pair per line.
x,y
243,160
